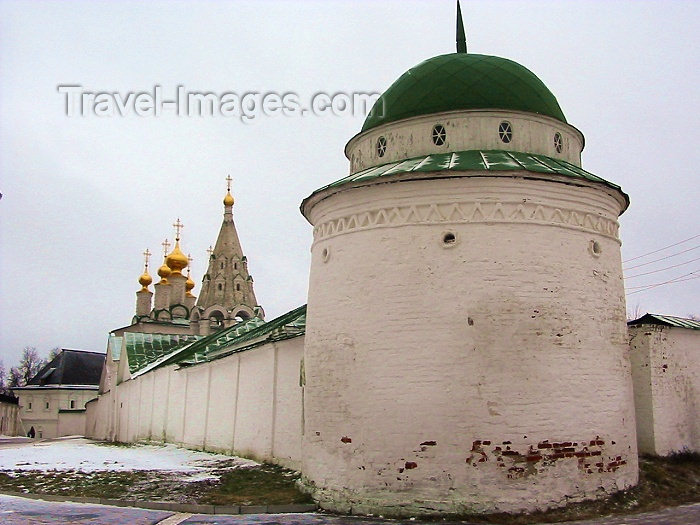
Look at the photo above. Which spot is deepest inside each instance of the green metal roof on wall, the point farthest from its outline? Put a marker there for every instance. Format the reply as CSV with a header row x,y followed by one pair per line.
x,y
475,160
114,343
463,81
666,320
200,351
286,326
142,349
242,336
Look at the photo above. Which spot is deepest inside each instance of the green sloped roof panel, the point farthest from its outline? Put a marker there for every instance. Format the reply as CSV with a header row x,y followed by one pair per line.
x,y
144,348
239,337
115,345
667,320
197,351
463,81
480,161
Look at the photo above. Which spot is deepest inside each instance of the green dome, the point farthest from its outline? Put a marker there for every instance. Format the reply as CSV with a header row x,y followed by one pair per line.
x,y
461,81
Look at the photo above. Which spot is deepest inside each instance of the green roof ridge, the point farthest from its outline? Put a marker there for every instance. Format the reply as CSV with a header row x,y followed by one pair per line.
x,y
474,160
236,335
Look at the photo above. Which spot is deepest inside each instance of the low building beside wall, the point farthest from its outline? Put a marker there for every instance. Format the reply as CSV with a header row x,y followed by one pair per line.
x,y
53,401
10,424
665,355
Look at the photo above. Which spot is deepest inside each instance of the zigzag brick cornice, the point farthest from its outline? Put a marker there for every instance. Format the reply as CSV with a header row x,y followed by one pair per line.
x,y
469,212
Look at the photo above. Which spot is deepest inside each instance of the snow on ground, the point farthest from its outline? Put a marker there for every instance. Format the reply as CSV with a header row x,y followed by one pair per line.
x,y
84,455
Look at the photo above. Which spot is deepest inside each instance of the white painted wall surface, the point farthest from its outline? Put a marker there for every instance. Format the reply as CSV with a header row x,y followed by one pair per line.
x,y
286,446
71,423
248,403
253,437
159,412
194,418
466,130
222,404
666,375
440,376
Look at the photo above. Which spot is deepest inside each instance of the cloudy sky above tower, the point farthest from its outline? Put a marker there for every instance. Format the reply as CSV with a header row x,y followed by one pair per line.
x,y
85,193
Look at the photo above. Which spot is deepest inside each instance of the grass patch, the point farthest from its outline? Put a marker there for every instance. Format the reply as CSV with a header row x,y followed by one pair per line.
x,y
70,483
119,444
267,484
261,485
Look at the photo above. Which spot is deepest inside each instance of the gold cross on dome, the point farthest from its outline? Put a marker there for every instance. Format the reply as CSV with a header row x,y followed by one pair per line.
x,y
189,263
228,182
210,251
178,226
166,246
147,255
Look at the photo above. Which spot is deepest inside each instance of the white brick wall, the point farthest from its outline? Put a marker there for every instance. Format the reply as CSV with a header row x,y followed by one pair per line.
x,y
666,374
492,374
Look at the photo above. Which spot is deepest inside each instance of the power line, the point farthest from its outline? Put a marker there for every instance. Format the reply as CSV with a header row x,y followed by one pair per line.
x,y
663,282
662,249
670,282
662,258
678,279
662,269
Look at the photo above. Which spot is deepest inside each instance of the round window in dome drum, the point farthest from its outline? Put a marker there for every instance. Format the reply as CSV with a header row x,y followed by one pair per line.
x,y
439,135
558,142
381,146
505,131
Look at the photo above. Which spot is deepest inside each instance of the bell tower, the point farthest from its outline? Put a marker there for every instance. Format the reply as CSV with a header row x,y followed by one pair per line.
x,y
227,293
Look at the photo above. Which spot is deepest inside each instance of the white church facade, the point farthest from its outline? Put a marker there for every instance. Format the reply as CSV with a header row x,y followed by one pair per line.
x,y
488,367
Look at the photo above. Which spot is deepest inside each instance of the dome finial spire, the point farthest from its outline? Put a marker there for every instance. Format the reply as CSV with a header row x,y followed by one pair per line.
x,y
228,199
461,38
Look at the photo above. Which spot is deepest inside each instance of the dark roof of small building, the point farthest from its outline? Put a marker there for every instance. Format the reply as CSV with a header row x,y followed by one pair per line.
x,y
5,398
666,320
71,367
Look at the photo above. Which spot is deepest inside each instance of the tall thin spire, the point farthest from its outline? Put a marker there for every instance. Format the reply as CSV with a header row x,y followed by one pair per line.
x,y
461,38
227,282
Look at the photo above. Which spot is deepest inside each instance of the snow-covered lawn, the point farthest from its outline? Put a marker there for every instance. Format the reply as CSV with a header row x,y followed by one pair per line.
x,y
79,454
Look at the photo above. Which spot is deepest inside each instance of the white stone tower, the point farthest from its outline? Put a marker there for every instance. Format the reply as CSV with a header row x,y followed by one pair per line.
x,y
466,342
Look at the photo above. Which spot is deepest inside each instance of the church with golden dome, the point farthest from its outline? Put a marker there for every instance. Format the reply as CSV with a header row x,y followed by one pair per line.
x,y
226,297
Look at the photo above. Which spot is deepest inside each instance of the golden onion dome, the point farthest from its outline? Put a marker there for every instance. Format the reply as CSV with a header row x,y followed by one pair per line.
x,y
228,199
164,271
189,284
145,280
176,260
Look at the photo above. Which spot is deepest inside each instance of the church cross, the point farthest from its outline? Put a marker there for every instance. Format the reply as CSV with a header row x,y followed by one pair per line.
x,y
166,246
189,263
210,251
178,226
228,182
146,255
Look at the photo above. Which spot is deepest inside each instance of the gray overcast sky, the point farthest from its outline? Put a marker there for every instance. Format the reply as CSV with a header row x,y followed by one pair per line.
x,y
84,196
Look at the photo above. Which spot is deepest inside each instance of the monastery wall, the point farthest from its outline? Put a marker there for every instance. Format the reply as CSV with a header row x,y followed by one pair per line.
x,y
666,376
71,423
487,368
248,403
10,422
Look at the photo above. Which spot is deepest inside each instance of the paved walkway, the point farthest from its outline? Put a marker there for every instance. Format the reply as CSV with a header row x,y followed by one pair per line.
x,y
22,511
